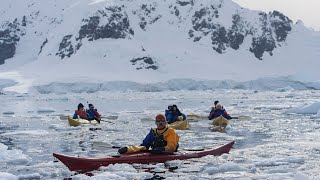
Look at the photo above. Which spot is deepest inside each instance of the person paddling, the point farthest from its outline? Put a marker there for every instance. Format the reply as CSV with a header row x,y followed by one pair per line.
x,y
217,111
161,139
93,114
80,112
173,114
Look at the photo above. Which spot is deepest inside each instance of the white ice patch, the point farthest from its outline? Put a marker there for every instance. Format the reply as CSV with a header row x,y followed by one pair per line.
x,y
280,161
15,157
30,176
306,109
23,84
7,176
227,167
30,132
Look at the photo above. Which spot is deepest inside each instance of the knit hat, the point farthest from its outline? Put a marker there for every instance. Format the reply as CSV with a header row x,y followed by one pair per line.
x,y
91,105
160,117
219,106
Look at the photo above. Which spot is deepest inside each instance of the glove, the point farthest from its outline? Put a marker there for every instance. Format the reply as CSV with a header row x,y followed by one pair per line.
x,y
158,150
123,150
97,119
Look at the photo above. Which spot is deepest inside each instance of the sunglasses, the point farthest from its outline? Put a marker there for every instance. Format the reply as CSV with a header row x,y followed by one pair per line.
x,y
91,107
160,120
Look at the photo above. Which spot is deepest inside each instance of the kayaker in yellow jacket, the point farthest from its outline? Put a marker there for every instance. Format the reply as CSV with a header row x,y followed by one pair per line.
x,y
161,139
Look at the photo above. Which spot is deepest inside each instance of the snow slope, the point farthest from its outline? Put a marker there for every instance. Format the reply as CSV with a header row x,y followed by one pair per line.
x,y
157,41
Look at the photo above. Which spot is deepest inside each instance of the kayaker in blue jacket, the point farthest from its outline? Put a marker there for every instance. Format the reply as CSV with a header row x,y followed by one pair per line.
x,y
168,111
218,111
93,114
161,139
173,114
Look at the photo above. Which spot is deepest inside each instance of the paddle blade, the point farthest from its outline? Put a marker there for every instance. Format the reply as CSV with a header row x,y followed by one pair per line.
x,y
64,117
133,149
243,117
196,116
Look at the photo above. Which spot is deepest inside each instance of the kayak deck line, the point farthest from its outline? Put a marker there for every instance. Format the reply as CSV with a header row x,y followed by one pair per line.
x,y
86,164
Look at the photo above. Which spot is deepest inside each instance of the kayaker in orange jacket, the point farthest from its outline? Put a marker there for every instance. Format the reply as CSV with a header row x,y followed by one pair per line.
x,y
161,139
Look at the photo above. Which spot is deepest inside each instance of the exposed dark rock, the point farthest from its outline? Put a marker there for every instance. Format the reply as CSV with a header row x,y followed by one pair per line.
x,y
8,40
203,23
65,47
184,3
235,39
191,33
234,35
262,44
144,63
198,21
155,19
265,42
274,28
176,11
6,51
24,21
143,25
147,15
89,28
281,25
219,39
117,26
43,44
196,39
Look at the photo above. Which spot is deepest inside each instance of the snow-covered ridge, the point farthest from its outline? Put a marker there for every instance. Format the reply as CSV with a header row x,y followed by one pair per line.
x,y
275,84
220,23
280,84
52,42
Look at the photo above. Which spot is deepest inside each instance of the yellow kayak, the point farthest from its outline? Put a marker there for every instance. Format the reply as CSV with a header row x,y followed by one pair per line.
x,y
78,122
219,124
180,125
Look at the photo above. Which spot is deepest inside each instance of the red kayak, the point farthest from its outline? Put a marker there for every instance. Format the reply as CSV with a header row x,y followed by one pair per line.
x,y
82,164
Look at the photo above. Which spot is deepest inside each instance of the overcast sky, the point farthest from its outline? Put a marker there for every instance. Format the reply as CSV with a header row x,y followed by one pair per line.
x,y
306,10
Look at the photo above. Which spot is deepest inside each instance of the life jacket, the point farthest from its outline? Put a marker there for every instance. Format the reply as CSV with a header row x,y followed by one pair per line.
x,y
158,138
82,114
218,112
93,113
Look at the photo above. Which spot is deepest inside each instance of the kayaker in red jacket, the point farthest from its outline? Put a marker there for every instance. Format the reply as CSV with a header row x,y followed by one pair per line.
x,y
161,139
80,112
217,111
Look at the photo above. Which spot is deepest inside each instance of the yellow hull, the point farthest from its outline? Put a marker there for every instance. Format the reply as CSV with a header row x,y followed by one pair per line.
x,y
180,125
219,124
78,122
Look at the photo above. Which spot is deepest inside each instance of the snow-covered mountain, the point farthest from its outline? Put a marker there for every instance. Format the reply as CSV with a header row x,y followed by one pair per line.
x,y
150,41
